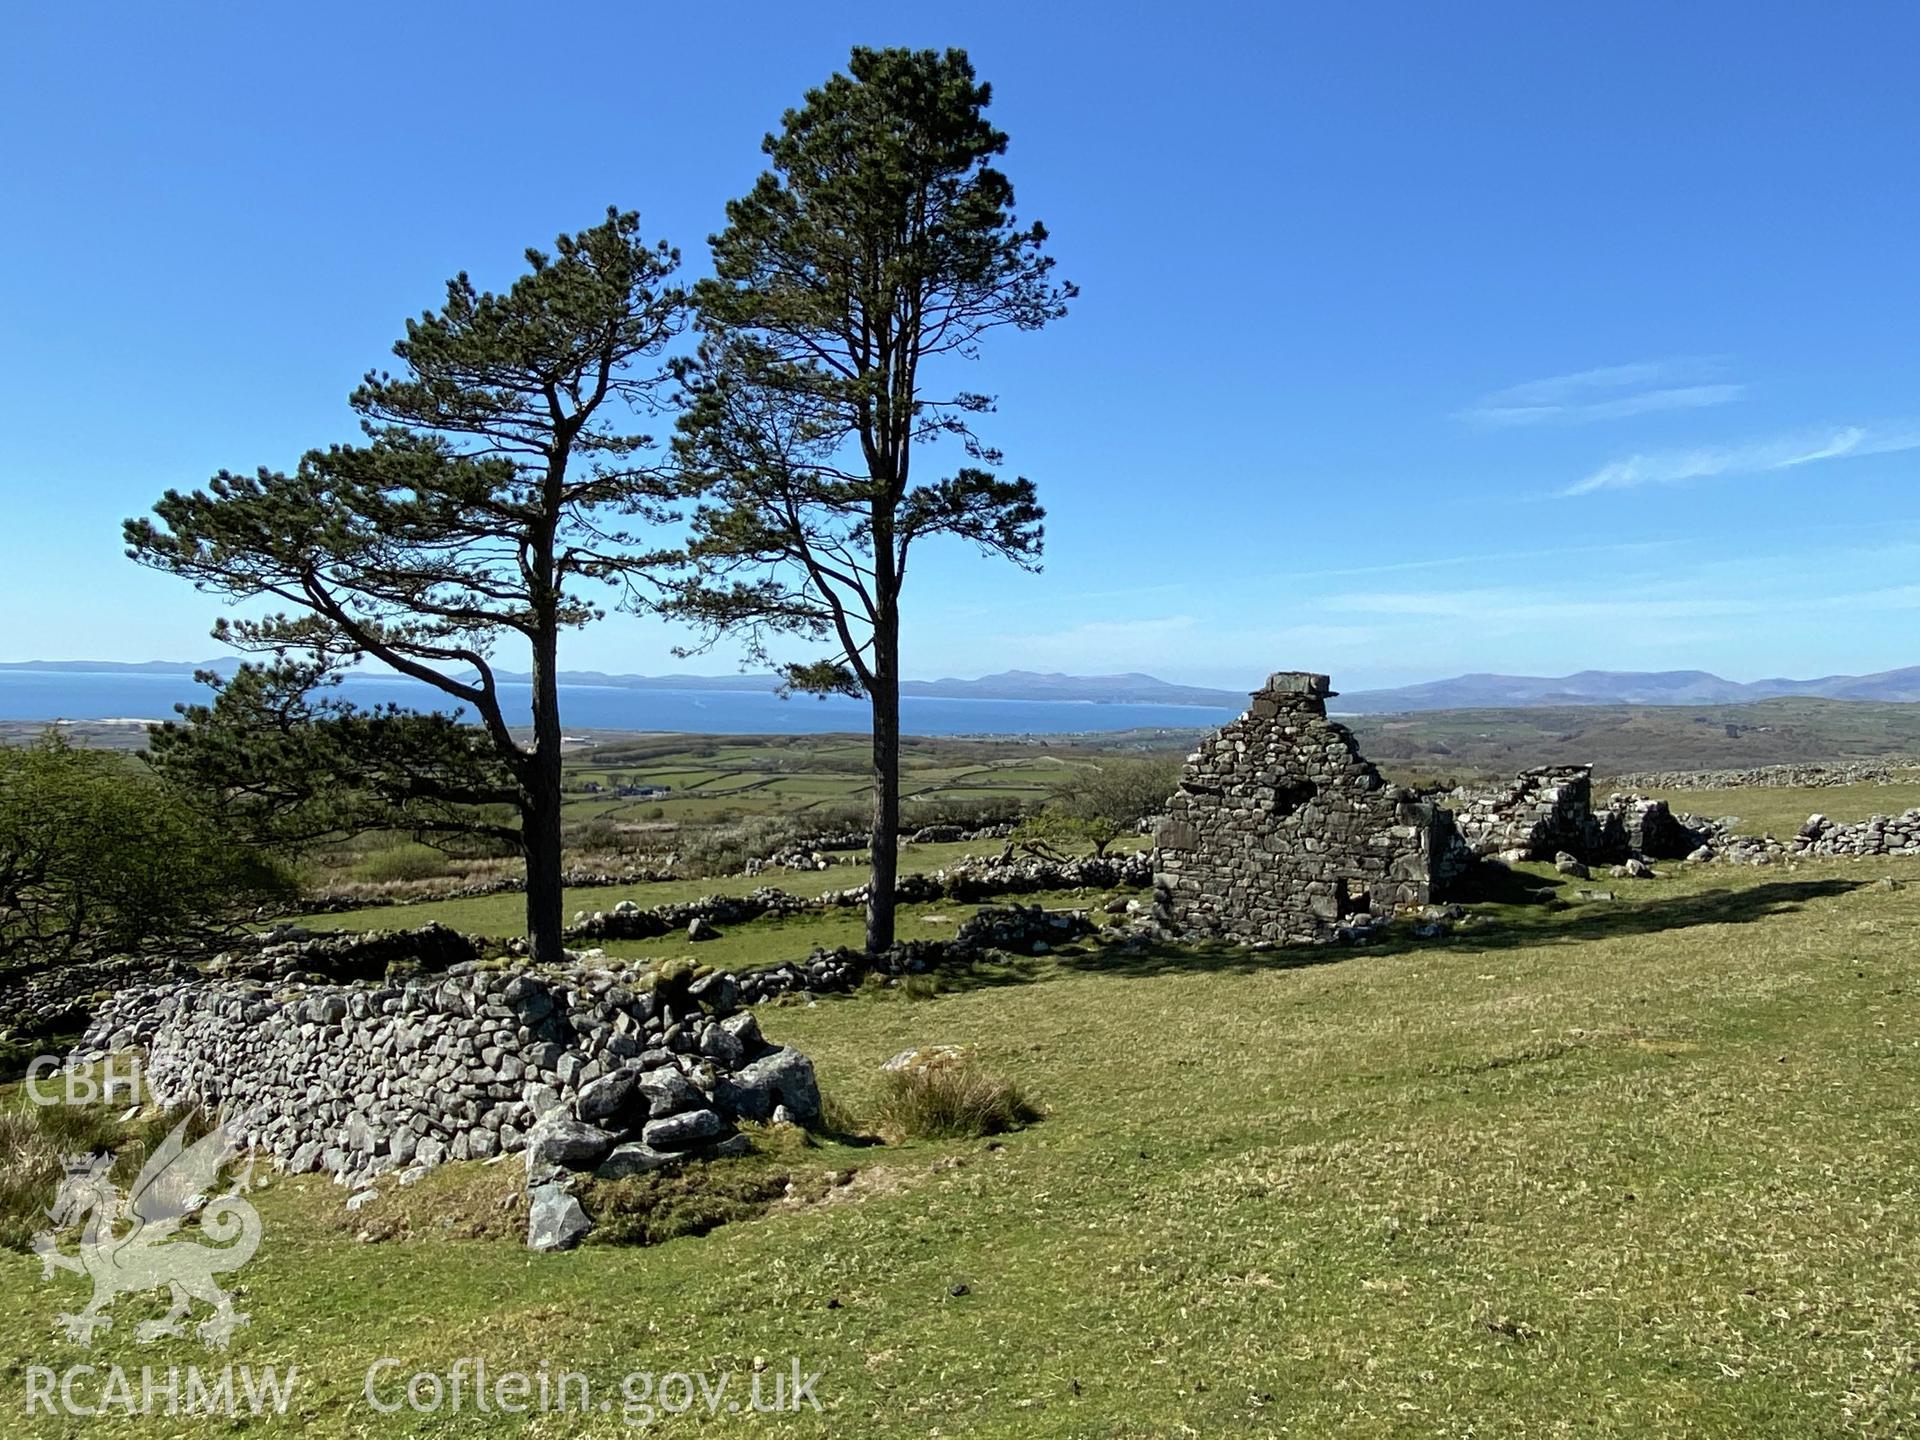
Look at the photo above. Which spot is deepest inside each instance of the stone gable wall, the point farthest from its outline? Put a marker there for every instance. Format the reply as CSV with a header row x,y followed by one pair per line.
x,y
1282,833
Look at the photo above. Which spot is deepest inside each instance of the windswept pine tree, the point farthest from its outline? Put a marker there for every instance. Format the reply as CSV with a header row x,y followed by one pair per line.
x,y
500,489
287,765
880,245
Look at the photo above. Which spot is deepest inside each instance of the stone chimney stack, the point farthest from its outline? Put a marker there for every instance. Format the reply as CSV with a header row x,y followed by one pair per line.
x,y
1292,690
1298,682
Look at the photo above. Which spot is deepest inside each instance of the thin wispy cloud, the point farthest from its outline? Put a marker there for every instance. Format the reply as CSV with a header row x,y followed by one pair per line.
x,y
1612,392
1674,467
1473,559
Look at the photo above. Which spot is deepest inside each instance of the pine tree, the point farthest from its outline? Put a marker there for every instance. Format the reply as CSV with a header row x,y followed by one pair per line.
x,y
880,244
495,492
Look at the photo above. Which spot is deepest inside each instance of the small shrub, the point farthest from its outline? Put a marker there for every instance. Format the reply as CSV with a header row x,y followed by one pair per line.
x,y
920,987
1100,805
950,1098
97,855
403,862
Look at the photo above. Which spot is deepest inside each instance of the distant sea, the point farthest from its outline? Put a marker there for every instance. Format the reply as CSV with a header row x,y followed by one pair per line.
x,y
102,695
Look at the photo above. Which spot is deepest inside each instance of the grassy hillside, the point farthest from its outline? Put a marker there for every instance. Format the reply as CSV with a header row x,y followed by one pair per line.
x,y
1633,1168
1618,739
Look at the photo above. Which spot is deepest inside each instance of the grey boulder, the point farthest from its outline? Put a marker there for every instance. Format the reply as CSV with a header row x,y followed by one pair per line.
x,y
781,1077
677,1132
560,1140
555,1220
634,1158
600,1100
666,1092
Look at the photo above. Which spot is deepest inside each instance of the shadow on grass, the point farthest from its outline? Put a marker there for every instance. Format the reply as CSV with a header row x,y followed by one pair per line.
x,y
1542,919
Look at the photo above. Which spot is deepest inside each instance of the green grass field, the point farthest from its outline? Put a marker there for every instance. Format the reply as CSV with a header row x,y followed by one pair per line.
x,y
505,913
1635,1168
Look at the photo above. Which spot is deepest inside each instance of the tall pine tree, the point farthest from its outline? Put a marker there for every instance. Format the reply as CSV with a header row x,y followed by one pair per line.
x,y
881,243
497,490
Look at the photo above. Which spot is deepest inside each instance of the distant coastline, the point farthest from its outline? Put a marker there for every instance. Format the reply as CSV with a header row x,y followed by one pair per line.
x,y
51,696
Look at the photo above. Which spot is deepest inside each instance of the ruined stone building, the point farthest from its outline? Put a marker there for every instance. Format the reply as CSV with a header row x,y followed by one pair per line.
x,y
1283,833
1281,828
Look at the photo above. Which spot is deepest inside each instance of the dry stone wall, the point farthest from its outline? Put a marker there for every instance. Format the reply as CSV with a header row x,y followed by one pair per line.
x,y
967,880
1282,833
584,1069
361,1080
1855,772
1876,835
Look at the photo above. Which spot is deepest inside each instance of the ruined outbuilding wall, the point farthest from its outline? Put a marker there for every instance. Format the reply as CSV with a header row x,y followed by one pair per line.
x,y
1539,814
1281,829
1549,811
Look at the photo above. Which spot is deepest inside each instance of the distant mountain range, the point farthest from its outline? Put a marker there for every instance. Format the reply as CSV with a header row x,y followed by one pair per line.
x,y
1008,685
226,665
1622,687
1462,692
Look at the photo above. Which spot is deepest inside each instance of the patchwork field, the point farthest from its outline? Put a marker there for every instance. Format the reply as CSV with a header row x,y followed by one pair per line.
x,y
1639,1167
1633,738
706,777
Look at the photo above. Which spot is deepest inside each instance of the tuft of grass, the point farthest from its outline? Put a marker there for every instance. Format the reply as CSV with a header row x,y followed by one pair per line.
x,y
696,1198
949,1098
920,987
29,1170
36,1139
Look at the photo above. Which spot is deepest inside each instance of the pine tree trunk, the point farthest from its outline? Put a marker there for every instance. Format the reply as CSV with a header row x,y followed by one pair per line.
x,y
885,695
540,825
540,810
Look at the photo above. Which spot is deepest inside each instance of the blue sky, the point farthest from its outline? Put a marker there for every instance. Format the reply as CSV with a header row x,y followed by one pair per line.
x,y
1413,339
